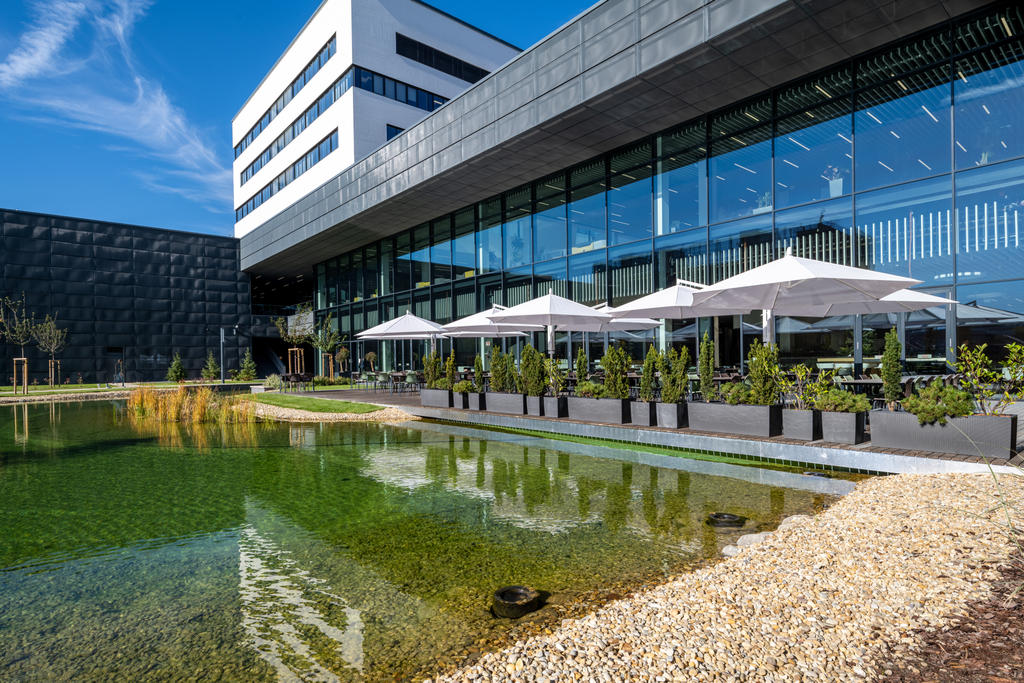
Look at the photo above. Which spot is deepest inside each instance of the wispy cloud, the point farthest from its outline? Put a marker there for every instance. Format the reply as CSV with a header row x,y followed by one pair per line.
x,y
74,65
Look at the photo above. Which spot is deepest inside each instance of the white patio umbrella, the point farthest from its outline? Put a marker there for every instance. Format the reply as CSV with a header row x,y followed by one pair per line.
x,y
552,310
405,326
900,301
675,302
480,325
798,284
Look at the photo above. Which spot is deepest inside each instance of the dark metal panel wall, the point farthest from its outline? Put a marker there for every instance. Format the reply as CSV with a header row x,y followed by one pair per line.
x,y
136,292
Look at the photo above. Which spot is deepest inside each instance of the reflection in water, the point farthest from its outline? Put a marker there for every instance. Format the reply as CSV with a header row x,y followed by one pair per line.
x,y
315,552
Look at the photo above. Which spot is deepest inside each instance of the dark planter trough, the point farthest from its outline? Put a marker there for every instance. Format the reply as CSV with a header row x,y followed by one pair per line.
x,y
477,402
513,404
671,415
740,420
989,436
436,398
460,399
643,413
556,406
842,427
607,410
804,425
535,406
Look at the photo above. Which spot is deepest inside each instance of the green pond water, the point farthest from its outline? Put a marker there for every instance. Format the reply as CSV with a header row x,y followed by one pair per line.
x,y
315,552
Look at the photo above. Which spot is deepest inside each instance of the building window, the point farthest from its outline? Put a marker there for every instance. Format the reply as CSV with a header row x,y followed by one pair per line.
x,y
308,160
364,79
392,131
434,58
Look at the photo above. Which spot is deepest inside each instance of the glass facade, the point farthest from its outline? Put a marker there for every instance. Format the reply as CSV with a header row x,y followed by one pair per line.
x,y
909,160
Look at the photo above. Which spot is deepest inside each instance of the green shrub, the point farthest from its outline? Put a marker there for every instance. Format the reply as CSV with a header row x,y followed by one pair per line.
x,y
615,364
706,367
478,374
840,401
176,371
449,369
211,369
892,369
554,376
432,369
581,364
763,369
532,368
247,371
736,393
462,387
673,366
443,384
273,382
981,380
591,390
497,370
647,375
936,402
514,379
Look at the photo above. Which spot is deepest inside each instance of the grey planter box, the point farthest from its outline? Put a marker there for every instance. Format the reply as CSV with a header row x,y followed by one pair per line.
x,y
989,436
436,398
556,406
513,404
842,427
535,406
801,424
477,401
671,415
643,413
607,410
739,420
460,400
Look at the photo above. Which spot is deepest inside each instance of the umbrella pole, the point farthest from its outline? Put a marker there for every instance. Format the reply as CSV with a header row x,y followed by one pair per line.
x,y
551,341
767,325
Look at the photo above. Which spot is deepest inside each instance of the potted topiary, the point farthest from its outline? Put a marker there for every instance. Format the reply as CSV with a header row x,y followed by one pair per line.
x,y
555,404
477,400
803,421
607,403
751,408
504,395
642,411
437,392
671,410
534,381
460,394
965,421
892,369
843,415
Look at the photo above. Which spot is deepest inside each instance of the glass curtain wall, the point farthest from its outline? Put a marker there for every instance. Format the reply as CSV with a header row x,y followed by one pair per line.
x,y
908,160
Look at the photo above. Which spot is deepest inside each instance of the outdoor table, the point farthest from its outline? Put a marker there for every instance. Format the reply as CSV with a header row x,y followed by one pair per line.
x,y
861,386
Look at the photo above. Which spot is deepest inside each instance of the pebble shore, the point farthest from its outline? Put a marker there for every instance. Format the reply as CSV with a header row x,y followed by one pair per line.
x,y
826,598
385,414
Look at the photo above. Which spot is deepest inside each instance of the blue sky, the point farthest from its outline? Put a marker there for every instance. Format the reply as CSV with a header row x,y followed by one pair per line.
x,y
120,109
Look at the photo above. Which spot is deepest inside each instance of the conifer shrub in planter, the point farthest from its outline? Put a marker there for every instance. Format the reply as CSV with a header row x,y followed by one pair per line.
x,y
460,394
642,411
843,415
671,409
437,392
967,421
802,421
504,395
751,408
609,402
477,400
555,404
531,366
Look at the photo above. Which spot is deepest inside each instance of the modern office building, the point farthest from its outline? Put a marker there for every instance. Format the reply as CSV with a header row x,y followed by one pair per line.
x,y
357,74
129,296
648,141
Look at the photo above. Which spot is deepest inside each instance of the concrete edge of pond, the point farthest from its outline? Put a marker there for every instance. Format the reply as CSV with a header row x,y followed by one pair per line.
x,y
779,453
754,475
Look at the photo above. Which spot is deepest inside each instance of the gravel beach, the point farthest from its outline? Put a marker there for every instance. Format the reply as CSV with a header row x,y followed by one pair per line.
x,y
828,598
385,414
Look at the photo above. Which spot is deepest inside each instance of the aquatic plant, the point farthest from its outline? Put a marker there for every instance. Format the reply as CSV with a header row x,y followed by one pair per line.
x,y
184,405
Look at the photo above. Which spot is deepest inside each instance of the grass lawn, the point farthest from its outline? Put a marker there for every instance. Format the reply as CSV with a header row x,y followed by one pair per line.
x,y
314,405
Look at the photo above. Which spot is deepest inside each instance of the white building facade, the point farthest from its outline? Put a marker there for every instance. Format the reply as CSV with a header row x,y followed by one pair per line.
x,y
358,73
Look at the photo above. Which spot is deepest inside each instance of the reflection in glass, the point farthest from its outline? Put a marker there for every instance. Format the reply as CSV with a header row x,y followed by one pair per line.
x,y
821,343
629,195
587,274
987,91
550,223
813,155
551,275
681,184
682,256
518,285
371,266
907,230
991,314
822,231
630,271
420,256
354,271
739,246
990,213
403,268
442,301
741,174
464,245
387,266
587,219
488,239
903,130
517,233
441,251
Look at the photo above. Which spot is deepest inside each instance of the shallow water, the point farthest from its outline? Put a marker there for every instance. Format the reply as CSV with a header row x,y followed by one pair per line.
x,y
315,552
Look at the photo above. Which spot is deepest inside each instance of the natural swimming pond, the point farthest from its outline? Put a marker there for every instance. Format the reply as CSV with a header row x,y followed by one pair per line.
x,y
267,551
